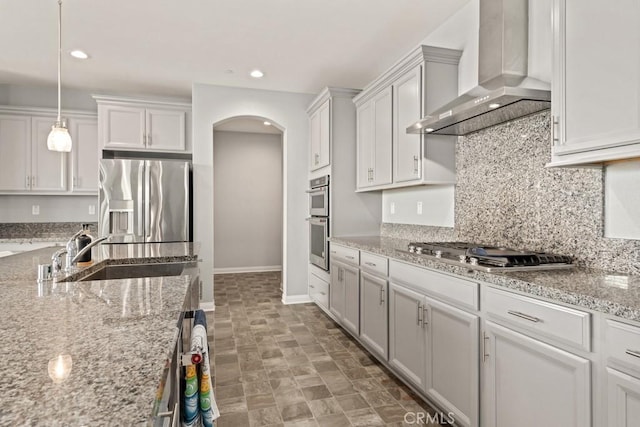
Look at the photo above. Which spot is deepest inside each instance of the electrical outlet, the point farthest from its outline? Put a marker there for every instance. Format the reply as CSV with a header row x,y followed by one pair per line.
x,y
419,208
35,210
92,209
392,207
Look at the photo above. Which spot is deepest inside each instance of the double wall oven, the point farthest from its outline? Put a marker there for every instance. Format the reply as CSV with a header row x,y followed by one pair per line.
x,y
319,222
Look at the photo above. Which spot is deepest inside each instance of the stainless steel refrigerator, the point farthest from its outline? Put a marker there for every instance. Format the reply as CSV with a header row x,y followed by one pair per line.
x,y
144,200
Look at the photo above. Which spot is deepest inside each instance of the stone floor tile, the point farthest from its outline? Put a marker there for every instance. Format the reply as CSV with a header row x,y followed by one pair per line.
x,y
295,411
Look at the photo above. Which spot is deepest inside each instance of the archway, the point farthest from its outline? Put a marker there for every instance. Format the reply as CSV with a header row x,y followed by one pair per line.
x,y
249,196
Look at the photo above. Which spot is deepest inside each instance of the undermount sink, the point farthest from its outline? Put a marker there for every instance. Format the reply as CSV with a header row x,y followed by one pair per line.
x,y
134,271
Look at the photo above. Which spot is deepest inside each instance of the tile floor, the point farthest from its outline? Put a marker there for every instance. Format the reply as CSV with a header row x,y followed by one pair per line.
x,y
291,365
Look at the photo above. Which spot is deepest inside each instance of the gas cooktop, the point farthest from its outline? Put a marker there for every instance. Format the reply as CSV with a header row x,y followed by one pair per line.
x,y
490,258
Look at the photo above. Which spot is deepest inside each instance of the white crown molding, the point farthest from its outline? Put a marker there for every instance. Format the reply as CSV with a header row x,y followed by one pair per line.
x,y
419,55
331,92
112,99
43,111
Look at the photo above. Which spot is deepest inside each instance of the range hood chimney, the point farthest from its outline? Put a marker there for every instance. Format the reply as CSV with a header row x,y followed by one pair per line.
x,y
505,91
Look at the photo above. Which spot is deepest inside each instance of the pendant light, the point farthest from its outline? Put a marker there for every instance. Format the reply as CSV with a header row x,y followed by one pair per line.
x,y
59,138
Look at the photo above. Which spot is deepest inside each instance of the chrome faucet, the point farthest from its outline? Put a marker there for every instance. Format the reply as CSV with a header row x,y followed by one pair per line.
x,y
71,250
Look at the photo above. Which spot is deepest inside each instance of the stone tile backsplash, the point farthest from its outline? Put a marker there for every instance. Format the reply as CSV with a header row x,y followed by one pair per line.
x,y
505,196
42,230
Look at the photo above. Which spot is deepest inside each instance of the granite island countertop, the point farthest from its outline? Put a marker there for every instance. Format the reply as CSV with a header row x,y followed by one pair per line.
x,y
610,293
120,335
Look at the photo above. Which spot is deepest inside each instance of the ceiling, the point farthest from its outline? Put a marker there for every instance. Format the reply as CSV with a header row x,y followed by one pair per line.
x,y
163,46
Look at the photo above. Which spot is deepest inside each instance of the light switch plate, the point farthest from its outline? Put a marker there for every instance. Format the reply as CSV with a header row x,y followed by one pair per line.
x,y
419,208
392,208
35,210
92,209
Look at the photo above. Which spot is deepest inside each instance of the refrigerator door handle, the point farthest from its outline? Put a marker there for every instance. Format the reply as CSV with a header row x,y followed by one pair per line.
x,y
147,197
141,201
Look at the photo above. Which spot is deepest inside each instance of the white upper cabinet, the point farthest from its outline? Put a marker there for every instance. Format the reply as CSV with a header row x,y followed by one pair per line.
x,y
320,126
15,152
375,140
125,124
388,157
28,167
48,168
596,81
83,176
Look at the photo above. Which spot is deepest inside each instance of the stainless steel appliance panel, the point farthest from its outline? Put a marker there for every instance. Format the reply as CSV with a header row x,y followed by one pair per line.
x,y
166,201
319,242
144,200
121,196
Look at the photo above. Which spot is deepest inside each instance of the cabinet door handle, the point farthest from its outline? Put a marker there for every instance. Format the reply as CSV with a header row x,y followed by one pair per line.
x,y
34,179
349,257
415,165
524,316
334,252
322,293
148,139
381,296
28,181
633,353
144,139
312,287
371,264
485,338
425,315
419,320
554,132
316,158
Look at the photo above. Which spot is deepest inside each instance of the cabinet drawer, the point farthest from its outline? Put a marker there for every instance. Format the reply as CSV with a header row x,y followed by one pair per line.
x,y
461,292
551,320
375,264
319,291
623,343
345,254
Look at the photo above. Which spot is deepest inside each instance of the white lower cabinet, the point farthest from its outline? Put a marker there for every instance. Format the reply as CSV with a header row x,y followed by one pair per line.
x,y
345,295
528,383
452,375
406,335
435,346
624,399
373,313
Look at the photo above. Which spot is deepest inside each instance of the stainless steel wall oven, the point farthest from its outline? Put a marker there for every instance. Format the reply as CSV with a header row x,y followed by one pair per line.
x,y
319,222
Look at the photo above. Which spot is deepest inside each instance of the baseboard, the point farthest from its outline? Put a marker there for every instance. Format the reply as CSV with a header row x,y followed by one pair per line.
x,y
208,305
258,269
296,299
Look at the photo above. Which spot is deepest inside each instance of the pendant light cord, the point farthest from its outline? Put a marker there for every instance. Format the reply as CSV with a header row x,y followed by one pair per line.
x,y
59,55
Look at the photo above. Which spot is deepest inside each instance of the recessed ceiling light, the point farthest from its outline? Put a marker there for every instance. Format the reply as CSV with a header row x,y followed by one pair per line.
x,y
429,129
79,54
494,105
256,74
267,123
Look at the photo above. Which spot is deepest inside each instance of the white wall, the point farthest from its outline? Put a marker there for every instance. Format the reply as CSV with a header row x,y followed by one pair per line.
x,y
247,191
437,205
52,208
212,104
46,96
621,202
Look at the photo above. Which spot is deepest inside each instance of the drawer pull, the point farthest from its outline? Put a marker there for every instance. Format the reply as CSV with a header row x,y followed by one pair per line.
x,y
419,320
524,316
349,257
334,252
322,293
633,353
381,296
370,264
312,287
485,354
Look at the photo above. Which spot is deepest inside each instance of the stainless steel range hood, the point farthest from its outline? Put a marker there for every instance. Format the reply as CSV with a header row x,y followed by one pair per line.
x,y
505,92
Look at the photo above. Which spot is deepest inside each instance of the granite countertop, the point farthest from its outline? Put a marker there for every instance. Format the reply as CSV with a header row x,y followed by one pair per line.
x,y
605,292
120,335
